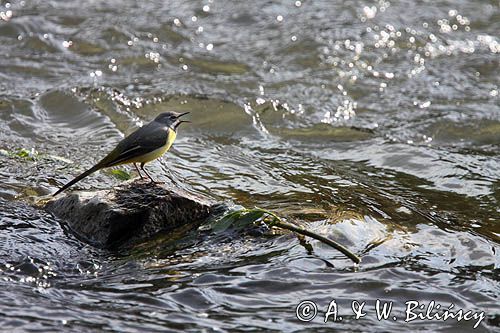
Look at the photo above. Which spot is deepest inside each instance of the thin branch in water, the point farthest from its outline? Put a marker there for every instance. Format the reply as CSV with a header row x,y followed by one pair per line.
x,y
277,222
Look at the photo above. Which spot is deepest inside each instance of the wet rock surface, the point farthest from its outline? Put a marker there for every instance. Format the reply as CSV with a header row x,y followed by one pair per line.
x,y
130,213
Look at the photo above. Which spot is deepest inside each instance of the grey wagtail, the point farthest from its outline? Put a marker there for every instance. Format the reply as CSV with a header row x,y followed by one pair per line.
x,y
144,145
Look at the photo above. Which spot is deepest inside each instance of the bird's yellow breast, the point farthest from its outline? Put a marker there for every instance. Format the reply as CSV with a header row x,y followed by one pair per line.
x,y
160,151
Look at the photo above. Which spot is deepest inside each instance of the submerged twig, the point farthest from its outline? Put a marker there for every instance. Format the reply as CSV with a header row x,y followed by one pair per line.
x,y
277,222
323,239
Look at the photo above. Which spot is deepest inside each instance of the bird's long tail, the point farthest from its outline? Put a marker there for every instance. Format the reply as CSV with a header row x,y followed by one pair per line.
x,y
78,178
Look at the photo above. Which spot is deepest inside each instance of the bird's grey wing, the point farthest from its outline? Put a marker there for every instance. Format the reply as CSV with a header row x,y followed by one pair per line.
x,y
143,141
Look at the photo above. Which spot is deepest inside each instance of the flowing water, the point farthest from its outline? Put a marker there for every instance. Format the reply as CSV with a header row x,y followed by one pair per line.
x,y
374,123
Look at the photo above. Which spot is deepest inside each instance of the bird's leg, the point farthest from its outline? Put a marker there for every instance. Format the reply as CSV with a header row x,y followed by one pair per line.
x,y
147,174
140,175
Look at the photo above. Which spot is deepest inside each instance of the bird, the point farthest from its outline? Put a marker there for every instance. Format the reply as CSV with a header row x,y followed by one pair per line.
x,y
143,145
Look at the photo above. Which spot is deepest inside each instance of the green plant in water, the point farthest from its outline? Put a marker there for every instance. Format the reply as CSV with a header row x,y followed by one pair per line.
x,y
244,217
30,154
120,174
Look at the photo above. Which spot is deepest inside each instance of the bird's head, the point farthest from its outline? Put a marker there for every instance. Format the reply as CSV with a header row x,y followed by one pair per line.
x,y
171,119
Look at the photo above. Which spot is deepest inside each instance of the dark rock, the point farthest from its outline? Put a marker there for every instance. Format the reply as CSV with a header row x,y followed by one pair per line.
x,y
130,213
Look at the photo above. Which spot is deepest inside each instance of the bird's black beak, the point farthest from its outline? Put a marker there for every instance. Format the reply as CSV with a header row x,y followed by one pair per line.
x,y
182,114
178,122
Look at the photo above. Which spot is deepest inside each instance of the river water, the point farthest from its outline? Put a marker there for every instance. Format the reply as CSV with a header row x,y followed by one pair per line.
x,y
374,123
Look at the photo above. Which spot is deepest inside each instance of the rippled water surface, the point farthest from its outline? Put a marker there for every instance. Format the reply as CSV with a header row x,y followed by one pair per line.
x,y
374,123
